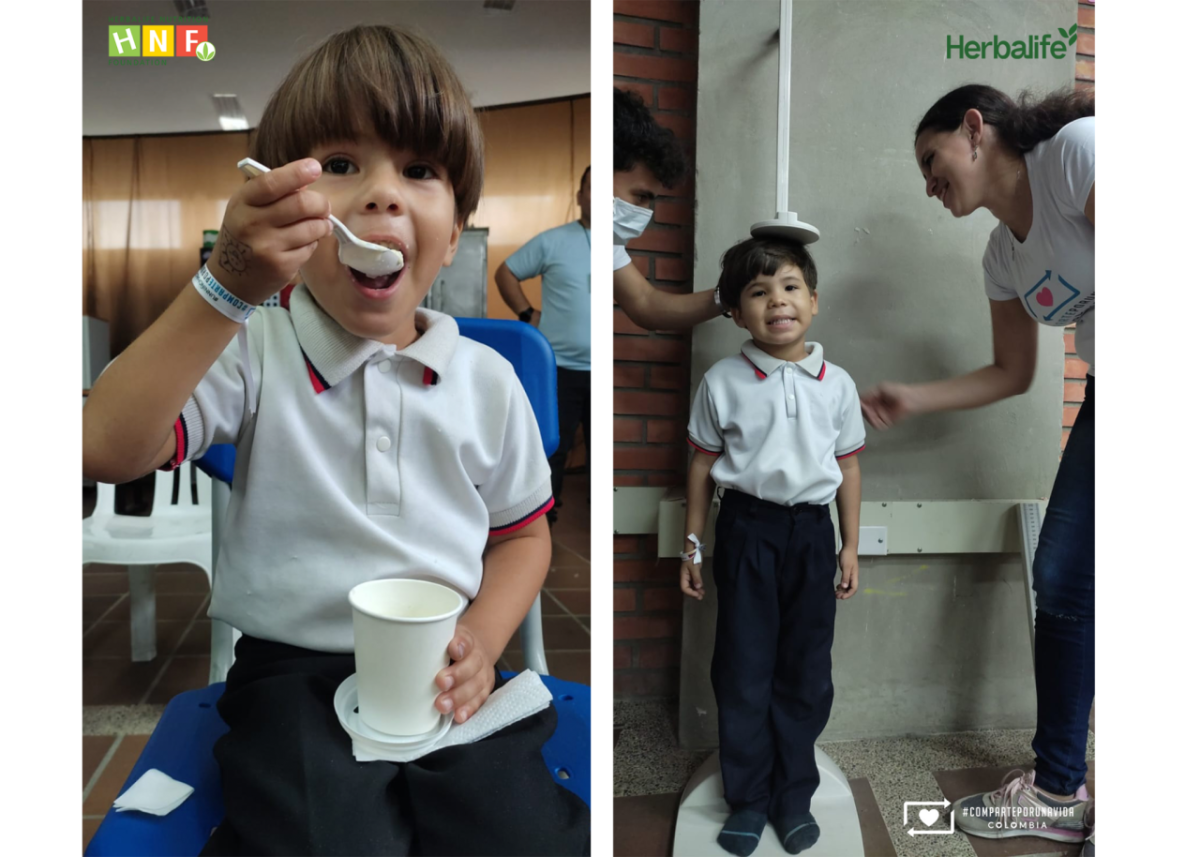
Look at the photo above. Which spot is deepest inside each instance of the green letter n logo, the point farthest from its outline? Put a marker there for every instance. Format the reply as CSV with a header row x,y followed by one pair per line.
x,y
1070,35
124,41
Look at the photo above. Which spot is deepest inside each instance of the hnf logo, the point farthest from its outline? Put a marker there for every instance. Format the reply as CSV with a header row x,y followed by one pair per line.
x,y
160,40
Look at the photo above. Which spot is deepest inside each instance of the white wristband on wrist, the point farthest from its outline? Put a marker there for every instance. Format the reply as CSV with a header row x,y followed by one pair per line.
x,y
235,309
220,298
697,555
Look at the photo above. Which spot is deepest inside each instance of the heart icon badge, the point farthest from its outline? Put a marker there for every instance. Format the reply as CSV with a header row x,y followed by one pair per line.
x,y
929,816
1045,298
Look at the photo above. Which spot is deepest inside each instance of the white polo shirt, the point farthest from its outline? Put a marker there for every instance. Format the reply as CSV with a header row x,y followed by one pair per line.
x,y
361,462
778,428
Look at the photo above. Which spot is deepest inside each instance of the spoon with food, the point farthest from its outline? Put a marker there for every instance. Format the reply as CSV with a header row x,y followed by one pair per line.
x,y
371,259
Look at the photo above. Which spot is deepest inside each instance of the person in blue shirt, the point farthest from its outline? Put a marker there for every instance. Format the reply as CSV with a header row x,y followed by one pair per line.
x,y
562,258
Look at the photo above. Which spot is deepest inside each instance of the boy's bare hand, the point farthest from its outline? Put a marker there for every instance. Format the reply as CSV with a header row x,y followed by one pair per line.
x,y
271,228
690,580
848,560
468,681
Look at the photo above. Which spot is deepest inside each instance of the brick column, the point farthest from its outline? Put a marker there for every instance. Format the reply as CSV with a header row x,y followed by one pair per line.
x,y
654,54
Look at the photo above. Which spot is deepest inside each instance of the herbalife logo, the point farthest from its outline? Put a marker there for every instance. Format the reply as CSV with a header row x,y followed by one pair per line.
x,y
1032,48
205,51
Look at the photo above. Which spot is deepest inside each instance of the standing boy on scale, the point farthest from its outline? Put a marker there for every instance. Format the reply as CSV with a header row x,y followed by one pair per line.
x,y
777,427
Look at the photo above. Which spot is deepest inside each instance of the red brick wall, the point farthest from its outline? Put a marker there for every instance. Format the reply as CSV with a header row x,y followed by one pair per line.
x,y
1075,371
654,54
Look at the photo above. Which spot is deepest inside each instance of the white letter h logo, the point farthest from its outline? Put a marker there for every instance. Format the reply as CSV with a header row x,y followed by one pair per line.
x,y
118,40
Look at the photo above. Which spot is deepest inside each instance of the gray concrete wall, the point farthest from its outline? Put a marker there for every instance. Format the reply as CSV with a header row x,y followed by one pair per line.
x,y
902,299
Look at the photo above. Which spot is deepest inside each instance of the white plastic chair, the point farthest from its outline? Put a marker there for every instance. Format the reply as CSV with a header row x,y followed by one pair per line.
x,y
177,530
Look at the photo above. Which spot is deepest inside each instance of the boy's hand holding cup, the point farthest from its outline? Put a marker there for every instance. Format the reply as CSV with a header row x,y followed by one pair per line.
x,y
271,227
468,681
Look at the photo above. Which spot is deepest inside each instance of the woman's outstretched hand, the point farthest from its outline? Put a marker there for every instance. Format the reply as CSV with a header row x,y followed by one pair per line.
x,y
888,404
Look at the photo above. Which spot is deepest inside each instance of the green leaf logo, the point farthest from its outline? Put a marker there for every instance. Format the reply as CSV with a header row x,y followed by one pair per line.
x,y
205,51
1062,32
1074,27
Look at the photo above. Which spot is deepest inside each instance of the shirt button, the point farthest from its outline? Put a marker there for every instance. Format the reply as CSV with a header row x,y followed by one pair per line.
x,y
385,366
383,444
790,396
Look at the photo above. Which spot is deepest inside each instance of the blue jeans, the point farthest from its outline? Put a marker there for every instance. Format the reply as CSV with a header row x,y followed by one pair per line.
x,y
1064,578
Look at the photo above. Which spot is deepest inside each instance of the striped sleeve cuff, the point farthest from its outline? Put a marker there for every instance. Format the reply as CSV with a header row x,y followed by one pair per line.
x,y
839,456
189,433
522,514
706,451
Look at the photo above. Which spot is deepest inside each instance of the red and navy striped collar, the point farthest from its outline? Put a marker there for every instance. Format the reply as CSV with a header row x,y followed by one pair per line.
x,y
764,364
332,354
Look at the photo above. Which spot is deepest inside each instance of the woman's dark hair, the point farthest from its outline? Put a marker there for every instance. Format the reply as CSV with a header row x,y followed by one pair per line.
x,y
637,138
744,261
1021,124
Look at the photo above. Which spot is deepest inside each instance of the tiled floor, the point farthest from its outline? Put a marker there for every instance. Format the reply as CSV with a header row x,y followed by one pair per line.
x,y
123,700
650,771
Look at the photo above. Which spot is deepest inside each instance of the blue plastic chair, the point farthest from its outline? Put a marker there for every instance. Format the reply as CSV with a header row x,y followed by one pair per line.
x,y
181,745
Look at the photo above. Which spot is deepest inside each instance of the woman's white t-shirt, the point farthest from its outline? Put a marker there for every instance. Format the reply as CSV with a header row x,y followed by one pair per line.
x,y
1053,272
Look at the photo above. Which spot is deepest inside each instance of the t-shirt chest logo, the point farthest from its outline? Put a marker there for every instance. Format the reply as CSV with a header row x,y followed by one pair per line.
x,y
1052,300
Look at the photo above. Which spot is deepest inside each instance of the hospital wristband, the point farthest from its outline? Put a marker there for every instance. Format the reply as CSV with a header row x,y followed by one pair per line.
x,y
220,298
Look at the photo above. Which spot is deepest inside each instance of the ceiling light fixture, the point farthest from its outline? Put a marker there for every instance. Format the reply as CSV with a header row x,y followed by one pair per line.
x,y
230,113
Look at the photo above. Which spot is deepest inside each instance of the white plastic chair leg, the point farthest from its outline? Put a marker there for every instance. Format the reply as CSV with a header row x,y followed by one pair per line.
x,y
143,630
531,639
224,635
221,655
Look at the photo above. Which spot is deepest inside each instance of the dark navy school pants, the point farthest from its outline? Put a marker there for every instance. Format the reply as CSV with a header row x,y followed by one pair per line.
x,y
292,786
774,568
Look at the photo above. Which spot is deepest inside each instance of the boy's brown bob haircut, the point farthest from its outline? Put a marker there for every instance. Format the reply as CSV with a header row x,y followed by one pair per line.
x,y
742,263
377,79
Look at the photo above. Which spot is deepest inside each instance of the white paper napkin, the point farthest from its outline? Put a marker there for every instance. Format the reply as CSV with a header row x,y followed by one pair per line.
x,y
155,793
522,697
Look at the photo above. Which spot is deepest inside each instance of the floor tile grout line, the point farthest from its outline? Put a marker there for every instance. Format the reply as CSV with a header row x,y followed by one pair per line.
x,y
95,778
566,547
100,618
166,663
586,629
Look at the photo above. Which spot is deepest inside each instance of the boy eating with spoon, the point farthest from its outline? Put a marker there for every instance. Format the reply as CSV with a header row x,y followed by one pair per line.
x,y
372,441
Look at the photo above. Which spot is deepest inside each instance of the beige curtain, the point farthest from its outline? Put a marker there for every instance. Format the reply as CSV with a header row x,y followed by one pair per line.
x,y
146,204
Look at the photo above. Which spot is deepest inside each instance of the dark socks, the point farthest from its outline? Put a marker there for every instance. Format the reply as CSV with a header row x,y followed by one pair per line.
x,y
742,831
797,832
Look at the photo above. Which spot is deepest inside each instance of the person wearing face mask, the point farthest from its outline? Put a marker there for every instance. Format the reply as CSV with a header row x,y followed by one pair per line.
x,y
647,161
1032,164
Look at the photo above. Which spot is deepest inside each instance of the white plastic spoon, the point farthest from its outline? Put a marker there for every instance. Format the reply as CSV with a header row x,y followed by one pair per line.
x,y
372,259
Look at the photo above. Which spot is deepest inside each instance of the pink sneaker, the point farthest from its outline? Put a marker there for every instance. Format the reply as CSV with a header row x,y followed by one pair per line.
x,y
1019,808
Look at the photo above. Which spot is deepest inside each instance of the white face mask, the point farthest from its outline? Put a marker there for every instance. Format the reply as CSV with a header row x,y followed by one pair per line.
x,y
629,221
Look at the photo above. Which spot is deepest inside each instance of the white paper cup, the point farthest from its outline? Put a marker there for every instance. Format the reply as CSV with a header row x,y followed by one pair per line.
x,y
402,629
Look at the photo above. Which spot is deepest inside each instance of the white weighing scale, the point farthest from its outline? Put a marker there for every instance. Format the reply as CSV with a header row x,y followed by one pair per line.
x,y
702,810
